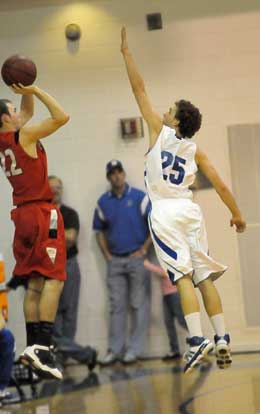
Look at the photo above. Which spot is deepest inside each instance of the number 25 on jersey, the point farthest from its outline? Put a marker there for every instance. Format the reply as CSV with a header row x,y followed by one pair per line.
x,y
176,164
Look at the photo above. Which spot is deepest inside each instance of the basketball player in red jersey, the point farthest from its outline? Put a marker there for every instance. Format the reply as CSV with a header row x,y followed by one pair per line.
x,y
39,245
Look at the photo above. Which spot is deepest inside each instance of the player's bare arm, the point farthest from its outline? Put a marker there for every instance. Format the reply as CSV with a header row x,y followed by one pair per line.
x,y
27,109
225,194
153,119
30,135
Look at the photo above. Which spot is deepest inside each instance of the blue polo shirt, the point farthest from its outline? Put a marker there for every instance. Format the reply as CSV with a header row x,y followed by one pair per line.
x,y
124,219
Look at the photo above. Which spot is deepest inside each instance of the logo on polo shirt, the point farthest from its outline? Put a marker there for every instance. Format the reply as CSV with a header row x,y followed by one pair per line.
x,y
130,203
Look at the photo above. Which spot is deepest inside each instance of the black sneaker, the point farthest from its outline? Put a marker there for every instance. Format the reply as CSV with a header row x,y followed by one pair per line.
x,y
222,351
199,348
41,359
92,359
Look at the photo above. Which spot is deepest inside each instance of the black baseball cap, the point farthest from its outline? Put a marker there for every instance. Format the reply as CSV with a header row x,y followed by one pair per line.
x,y
112,165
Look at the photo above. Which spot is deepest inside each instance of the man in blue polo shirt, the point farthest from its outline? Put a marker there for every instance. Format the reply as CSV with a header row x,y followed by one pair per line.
x,y
120,222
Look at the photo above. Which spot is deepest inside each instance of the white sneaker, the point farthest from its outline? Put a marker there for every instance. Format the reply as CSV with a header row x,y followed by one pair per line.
x,y
223,351
4,393
109,359
7,398
129,358
200,347
42,360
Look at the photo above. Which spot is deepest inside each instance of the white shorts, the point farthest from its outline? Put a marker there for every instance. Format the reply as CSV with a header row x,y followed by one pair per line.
x,y
179,236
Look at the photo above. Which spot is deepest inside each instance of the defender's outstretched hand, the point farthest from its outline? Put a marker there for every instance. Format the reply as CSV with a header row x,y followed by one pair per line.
x,y
124,44
153,120
239,223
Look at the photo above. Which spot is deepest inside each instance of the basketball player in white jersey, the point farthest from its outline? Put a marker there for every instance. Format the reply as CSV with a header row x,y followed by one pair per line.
x,y
176,222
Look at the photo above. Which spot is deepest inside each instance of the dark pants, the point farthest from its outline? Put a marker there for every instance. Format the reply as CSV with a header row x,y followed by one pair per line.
x,y
172,309
66,318
6,357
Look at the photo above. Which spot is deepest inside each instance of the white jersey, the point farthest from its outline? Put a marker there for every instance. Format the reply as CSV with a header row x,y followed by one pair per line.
x,y
176,223
170,166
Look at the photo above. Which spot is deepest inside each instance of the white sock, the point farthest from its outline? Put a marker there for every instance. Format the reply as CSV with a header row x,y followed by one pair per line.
x,y
193,324
218,324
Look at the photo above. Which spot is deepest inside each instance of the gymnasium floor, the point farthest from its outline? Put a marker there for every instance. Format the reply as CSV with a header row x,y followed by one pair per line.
x,y
151,387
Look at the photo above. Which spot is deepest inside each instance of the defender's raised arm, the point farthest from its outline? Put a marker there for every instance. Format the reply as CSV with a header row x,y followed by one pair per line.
x,y
153,119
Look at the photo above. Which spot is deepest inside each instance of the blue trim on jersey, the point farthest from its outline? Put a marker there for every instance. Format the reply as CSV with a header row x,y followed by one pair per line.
x,y
174,268
162,245
171,276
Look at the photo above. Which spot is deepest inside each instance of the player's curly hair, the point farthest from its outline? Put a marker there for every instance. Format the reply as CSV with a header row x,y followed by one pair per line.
x,y
189,117
3,109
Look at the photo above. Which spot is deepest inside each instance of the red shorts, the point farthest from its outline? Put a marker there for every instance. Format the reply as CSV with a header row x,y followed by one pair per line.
x,y
39,242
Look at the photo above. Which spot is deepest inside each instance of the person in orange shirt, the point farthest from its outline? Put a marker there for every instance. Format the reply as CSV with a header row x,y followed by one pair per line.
x,y
171,310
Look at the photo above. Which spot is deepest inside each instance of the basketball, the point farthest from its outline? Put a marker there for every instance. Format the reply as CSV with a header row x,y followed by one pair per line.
x,y
19,69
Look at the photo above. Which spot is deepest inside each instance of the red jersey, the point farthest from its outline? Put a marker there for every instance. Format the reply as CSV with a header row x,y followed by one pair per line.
x,y
28,176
